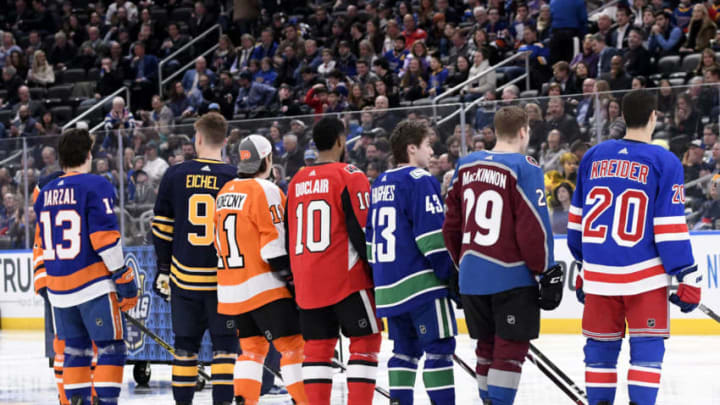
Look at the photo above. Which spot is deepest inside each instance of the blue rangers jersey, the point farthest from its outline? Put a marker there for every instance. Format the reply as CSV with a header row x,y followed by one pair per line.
x,y
627,218
78,238
497,226
183,227
404,240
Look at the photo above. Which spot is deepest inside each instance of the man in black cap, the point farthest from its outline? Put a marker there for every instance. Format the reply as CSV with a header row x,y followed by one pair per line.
x,y
252,95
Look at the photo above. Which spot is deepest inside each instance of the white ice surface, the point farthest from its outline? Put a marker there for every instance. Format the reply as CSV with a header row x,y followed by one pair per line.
x,y
691,374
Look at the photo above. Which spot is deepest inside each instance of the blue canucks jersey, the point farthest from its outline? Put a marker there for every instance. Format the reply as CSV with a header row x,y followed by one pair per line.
x,y
404,240
78,238
627,218
497,226
184,223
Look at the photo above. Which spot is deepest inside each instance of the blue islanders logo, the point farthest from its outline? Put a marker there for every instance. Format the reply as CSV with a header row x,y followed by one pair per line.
x,y
134,338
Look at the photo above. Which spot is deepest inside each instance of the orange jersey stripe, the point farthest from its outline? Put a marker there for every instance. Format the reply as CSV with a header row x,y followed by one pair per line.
x,y
76,375
101,239
78,278
255,302
107,373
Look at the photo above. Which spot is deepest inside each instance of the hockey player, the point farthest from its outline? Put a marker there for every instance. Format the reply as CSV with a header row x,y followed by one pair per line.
x,y
183,232
327,207
40,283
411,268
88,284
497,230
253,271
627,227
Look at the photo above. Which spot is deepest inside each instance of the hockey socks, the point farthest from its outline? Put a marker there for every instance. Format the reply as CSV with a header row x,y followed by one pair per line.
x,y
291,349
59,349
317,370
362,368
483,353
438,373
601,369
504,374
222,367
646,357
249,368
184,375
108,374
76,368
402,369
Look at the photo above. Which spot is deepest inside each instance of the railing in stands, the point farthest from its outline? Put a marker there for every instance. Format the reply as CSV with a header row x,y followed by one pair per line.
x,y
167,59
471,80
603,8
100,105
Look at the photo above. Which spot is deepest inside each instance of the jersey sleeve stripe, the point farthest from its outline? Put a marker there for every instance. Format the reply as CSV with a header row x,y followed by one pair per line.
x,y
623,269
158,218
672,237
430,241
78,278
575,210
161,235
573,226
674,220
163,228
623,278
574,218
113,257
101,240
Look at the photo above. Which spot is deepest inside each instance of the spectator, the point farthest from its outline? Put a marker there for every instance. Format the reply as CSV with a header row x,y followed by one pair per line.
x,y
293,40
521,20
334,104
63,52
586,106
41,72
47,125
460,73
179,102
190,78
252,95
294,156
327,64
604,26
243,54
438,76
544,21
7,46
701,30
485,83
119,117
666,38
636,58
710,137
111,79
413,83
11,82
161,117
614,127
36,108
619,34
685,120
24,124
683,14
316,98
579,74
364,75
19,62
708,60
129,7
604,53
384,118
558,119
102,169
538,127
411,32
266,47
345,62
666,99
201,21
8,212
562,76
50,162
617,77
551,151
561,196
173,42
94,41
143,70
224,55
694,169
289,64
710,211
569,18
41,19
709,100
155,166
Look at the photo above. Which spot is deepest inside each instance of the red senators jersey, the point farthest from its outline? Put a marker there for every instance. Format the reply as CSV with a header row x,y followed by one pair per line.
x,y
325,207
250,240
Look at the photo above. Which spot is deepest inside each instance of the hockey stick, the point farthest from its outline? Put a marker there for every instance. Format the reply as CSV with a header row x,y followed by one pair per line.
x,y
165,345
537,353
709,312
578,399
379,390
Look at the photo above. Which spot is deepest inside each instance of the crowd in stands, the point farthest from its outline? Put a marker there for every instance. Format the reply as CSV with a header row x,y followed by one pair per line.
x,y
284,65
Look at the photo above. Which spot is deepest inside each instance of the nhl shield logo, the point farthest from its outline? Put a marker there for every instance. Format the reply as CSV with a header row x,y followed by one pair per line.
x,y
510,319
134,338
651,323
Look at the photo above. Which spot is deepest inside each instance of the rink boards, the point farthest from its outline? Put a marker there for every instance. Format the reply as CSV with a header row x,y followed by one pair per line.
x,y
20,308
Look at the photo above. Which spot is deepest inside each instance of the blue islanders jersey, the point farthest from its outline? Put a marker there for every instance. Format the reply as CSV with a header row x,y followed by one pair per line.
x,y
39,274
404,240
78,237
184,223
497,226
627,218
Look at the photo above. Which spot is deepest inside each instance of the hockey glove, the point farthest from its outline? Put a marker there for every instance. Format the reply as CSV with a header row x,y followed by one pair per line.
x,y
126,287
161,285
689,292
579,293
286,276
454,288
551,288
43,293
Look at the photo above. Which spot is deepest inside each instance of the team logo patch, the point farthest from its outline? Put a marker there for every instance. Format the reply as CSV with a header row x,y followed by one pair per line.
x,y
351,169
651,323
363,323
230,324
268,335
510,319
532,161
245,155
134,337
99,322
423,330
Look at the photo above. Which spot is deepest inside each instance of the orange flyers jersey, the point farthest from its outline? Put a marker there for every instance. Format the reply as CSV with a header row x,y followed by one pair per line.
x,y
326,212
249,237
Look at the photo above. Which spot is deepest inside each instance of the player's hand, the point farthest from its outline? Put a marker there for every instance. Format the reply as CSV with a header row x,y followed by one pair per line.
x,y
161,285
286,276
689,292
551,288
43,293
579,293
126,287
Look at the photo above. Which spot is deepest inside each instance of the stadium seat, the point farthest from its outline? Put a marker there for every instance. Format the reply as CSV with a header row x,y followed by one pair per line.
x,y
422,101
93,75
6,116
690,62
679,144
529,94
181,14
3,94
73,76
37,93
62,114
158,14
94,117
668,64
61,93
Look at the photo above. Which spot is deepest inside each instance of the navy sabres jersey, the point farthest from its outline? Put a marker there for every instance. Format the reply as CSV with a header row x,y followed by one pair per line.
x,y
627,218
184,224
